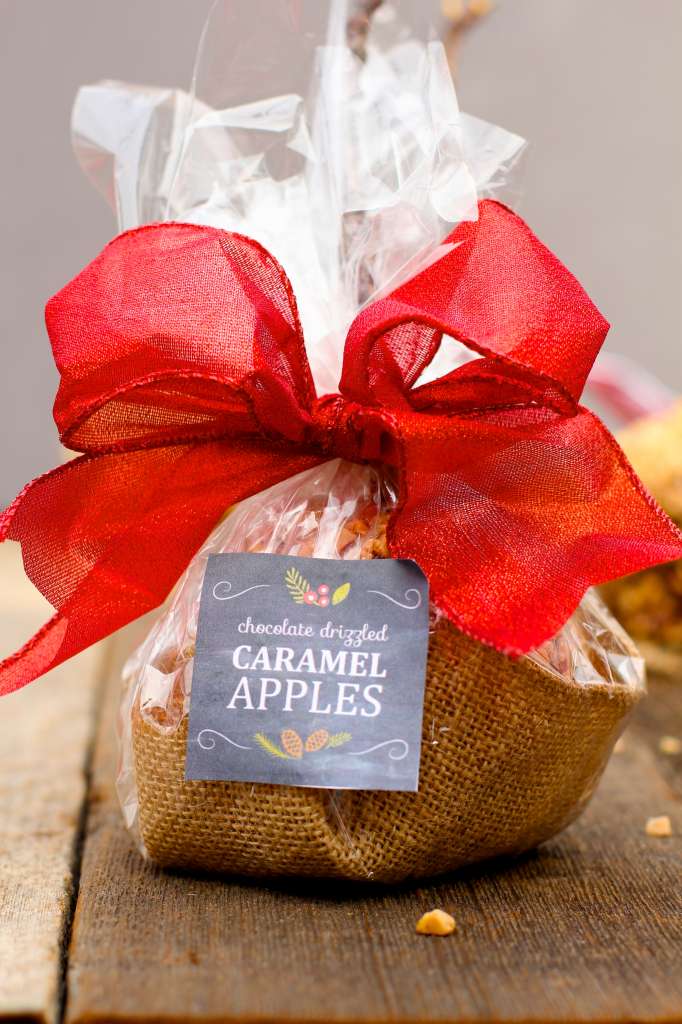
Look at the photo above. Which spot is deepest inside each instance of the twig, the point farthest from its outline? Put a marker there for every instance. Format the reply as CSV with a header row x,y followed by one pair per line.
x,y
358,26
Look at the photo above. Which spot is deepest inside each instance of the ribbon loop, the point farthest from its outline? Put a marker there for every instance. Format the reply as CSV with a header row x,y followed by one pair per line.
x,y
167,335
499,291
485,384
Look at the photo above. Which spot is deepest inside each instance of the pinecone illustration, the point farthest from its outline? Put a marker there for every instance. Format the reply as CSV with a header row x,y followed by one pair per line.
x,y
292,743
316,741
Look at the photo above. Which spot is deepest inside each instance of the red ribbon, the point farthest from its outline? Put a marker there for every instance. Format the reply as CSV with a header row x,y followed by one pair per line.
x,y
185,383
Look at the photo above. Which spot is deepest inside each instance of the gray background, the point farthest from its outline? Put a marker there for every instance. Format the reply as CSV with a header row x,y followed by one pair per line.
x,y
593,84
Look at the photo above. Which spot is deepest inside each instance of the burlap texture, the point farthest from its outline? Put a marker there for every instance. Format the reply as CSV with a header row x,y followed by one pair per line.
x,y
510,755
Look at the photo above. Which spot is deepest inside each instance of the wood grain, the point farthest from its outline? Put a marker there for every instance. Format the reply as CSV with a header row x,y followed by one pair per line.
x,y
587,929
45,734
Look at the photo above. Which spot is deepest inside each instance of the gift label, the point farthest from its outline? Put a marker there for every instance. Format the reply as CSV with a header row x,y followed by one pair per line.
x,y
309,672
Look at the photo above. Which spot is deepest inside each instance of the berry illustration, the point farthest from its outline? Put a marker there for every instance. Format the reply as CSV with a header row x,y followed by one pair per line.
x,y
316,741
323,602
292,743
310,597
323,590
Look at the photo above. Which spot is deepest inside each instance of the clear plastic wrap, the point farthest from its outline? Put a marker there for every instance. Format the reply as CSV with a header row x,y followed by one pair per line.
x,y
350,164
349,171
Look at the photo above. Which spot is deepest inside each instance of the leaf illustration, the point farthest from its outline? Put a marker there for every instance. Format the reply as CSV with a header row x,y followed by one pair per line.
x,y
338,739
269,747
297,585
341,593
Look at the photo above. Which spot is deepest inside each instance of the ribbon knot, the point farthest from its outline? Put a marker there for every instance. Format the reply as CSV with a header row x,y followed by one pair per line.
x,y
185,386
348,430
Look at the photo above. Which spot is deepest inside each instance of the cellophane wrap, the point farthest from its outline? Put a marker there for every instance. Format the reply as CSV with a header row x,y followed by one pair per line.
x,y
350,161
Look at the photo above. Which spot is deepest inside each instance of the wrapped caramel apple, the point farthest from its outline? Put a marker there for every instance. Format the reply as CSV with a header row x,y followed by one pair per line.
x,y
510,753
649,603
326,390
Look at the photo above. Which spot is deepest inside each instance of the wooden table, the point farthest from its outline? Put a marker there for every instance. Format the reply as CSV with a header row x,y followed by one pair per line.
x,y
589,928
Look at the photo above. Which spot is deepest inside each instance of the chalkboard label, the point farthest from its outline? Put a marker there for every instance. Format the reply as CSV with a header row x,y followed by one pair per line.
x,y
309,672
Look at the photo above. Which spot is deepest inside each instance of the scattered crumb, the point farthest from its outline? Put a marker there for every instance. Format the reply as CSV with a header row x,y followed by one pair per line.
x,y
659,827
670,745
436,922
620,745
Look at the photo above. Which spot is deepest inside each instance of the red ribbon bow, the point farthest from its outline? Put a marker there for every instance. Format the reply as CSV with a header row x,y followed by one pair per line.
x,y
184,380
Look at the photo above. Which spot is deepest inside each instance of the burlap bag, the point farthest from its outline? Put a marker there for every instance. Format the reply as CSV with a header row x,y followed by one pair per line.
x,y
511,752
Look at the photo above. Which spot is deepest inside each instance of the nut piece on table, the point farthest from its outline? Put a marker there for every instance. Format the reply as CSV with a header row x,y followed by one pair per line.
x,y
659,827
436,922
670,745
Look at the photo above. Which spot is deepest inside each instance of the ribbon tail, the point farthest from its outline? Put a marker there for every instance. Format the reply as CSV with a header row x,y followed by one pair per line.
x,y
514,514
105,537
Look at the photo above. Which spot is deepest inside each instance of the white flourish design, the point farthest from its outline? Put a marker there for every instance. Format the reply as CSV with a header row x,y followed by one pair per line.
x,y
408,597
396,745
206,740
227,596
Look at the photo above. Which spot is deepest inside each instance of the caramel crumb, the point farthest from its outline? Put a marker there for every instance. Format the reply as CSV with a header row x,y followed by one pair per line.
x,y
670,745
436,922
659,827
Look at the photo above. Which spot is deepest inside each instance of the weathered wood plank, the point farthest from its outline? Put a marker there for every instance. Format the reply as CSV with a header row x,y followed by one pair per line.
x,y
45,735
587,929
